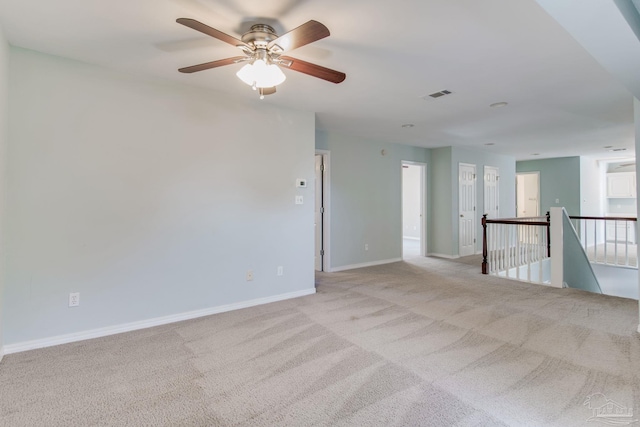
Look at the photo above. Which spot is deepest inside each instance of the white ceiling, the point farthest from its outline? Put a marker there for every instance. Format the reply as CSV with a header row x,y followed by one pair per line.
x,y
561,101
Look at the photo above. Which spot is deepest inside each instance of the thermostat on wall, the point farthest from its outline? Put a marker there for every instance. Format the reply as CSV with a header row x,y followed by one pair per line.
x,y
301,182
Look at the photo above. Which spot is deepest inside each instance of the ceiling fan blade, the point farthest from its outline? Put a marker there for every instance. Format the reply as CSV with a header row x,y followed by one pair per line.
x,y
205,29
267,90
300,36
213,64
314,70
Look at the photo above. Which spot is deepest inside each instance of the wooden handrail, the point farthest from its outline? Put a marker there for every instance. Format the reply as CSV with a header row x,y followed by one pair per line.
x,y
520,218
508,221
606,218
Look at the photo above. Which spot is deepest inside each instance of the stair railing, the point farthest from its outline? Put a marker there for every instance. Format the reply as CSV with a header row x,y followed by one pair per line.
x,y
517,248
608,240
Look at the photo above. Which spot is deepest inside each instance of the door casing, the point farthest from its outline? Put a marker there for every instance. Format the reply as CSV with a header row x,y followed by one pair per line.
x,y
423,205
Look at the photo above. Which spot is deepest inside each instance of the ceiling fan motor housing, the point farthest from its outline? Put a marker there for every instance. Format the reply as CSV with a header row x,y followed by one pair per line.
x,y
259,36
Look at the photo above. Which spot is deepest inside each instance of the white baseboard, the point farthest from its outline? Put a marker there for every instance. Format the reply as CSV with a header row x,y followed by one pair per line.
x,y
364,264
410,238
639,329
1,353
133,326
443,255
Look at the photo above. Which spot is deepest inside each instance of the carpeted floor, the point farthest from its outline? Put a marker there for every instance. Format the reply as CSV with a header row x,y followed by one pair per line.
x,y
425,342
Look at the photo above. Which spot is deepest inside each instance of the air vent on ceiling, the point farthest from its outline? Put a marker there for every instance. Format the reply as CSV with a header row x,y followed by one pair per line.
x,y
625,165
438,94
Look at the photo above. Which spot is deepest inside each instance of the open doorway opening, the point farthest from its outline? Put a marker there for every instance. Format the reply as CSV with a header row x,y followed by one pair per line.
x,y
527,194
414,242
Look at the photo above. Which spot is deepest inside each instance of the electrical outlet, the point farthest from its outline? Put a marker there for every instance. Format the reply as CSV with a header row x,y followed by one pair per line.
x,y
366,246
74,299
280,270
249,276
299,200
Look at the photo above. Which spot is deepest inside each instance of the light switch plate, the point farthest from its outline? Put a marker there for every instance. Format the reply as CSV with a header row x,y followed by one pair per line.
x,y
301,183
74,299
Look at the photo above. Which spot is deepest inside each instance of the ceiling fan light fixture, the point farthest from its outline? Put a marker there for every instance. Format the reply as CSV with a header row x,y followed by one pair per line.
x,y
262,49
260,74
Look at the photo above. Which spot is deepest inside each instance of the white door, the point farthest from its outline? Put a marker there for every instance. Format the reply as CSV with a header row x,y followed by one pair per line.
x,y
528,194
491,192
319,211
466,208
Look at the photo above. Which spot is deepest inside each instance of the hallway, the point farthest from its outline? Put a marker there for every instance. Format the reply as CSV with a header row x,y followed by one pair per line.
x,y
617,281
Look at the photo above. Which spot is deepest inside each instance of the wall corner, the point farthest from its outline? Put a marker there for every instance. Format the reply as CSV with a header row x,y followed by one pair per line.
x,y
557,253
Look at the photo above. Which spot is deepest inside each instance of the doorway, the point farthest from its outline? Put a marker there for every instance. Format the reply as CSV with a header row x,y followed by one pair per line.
x,y
467,209
321,219
527,194
414,242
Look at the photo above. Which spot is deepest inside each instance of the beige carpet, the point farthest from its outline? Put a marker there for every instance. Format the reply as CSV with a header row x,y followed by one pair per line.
x,y
421,343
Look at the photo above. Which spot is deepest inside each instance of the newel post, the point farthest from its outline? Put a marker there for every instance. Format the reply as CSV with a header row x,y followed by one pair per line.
x,y
548,234
484,244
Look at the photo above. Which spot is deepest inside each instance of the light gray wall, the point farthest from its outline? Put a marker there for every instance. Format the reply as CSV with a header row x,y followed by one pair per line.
x,y
559,179
445,193
592,192
636,118
366,197
149,198
4,60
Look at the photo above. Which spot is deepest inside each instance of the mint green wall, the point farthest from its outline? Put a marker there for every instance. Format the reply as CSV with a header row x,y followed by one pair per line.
x,y
365,197
444,179
559,179
441,183
577,270
507,187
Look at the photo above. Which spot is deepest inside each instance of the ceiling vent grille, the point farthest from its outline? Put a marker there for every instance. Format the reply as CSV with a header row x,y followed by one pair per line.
x,y
438,94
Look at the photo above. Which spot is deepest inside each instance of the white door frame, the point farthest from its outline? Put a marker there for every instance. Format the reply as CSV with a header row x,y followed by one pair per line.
x,y
537,174
474,203
423,205
326,217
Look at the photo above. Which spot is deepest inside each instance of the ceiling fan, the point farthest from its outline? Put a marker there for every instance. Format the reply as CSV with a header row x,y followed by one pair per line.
x,y
263,52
